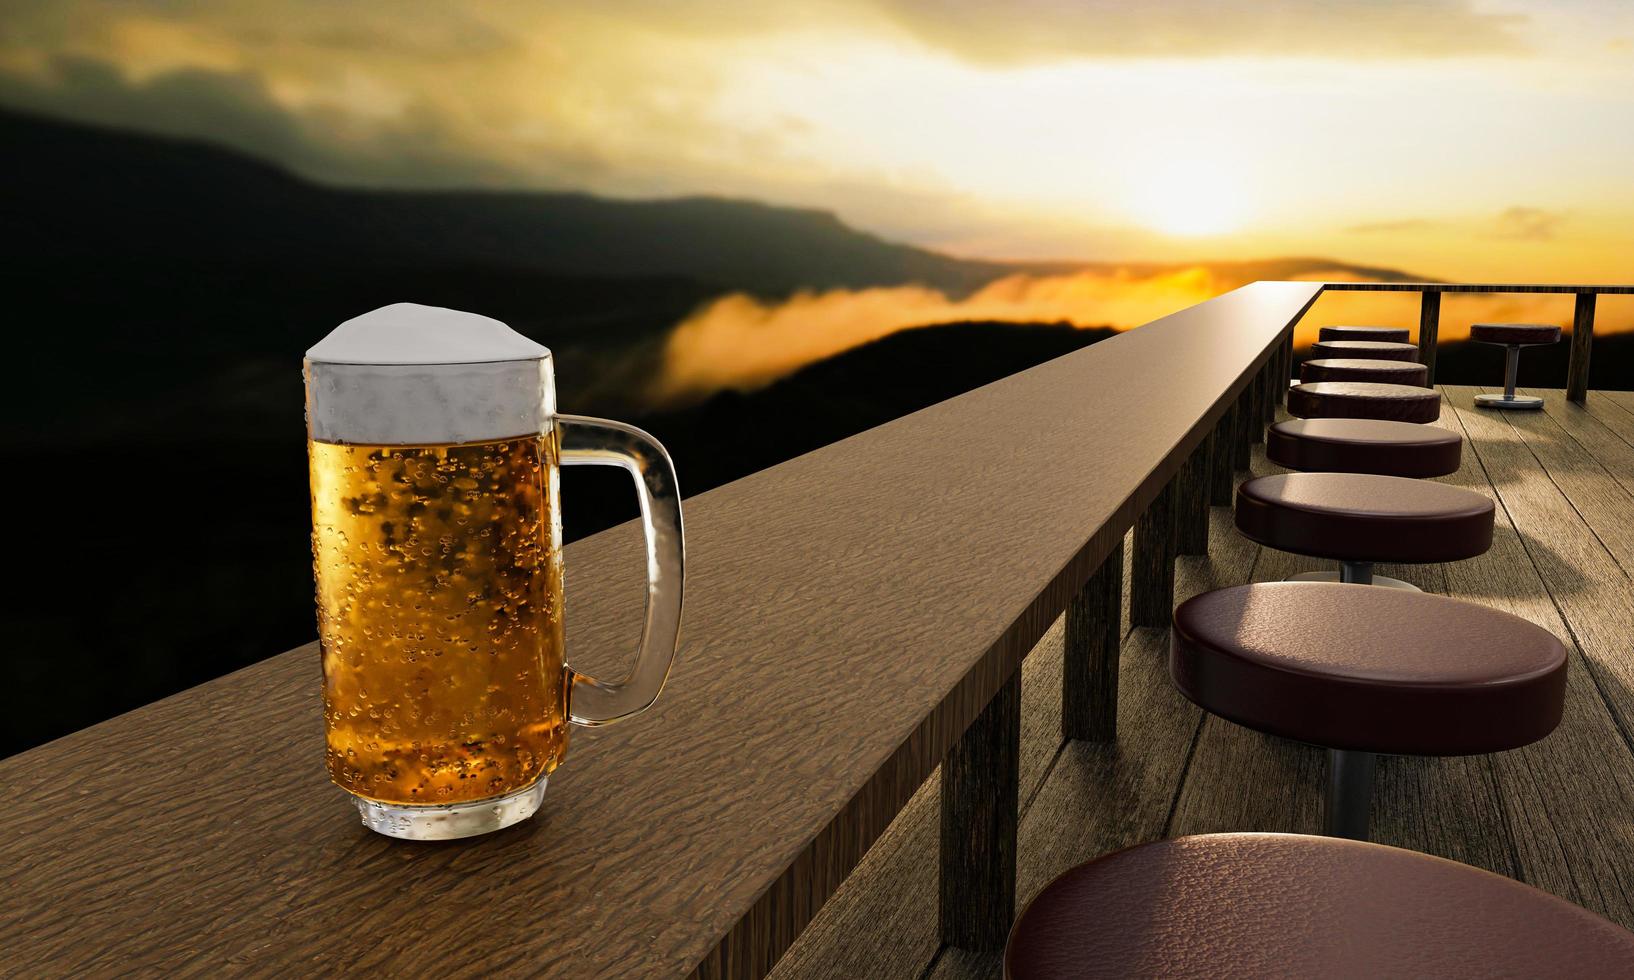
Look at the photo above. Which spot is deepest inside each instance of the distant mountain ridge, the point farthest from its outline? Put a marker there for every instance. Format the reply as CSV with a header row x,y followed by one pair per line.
x,y
73,191
69,191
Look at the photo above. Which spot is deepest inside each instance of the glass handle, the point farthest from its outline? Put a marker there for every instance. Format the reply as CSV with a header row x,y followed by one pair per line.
x,y
599,442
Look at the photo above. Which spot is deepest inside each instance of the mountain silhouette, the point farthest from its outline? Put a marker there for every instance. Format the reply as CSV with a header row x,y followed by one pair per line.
x,y
74,191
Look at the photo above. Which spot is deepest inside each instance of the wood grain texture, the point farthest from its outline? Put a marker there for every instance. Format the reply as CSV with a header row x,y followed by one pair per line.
x,y
1577,366
1611,413
1242,439
1429,331
1089,670
1151,579
1625,399
1258,396
1223,459
1268,388
1192,501
980,785
1556,792
1603,445
849,613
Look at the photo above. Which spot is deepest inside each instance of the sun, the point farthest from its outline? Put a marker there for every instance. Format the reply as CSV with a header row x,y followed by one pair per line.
x,y
1188,200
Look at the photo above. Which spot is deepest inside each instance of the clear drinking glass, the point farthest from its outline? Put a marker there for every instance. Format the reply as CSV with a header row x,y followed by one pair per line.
x,y
434,446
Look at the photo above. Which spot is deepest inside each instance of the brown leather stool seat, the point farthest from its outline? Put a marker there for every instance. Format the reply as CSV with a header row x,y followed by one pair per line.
x,y
1371,349
1513,336
1519,334
1362,517
1365,369
1370,670
1285,905
1361,671
1390,335
1364,446
1364,400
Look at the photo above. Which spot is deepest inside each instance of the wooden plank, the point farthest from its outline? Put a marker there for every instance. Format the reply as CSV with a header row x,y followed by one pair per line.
x,y
849,613
1556,792
1623,398
1608,410
1601,444
1588,585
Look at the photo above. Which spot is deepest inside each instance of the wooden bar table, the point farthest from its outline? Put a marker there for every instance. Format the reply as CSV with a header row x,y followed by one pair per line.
x,y
849,614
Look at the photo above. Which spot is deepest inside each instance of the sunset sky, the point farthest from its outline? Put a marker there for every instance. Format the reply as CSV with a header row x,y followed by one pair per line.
x,y
1461,140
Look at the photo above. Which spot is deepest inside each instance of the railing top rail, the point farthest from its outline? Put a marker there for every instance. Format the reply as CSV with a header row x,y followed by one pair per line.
x,y
849,613
1608,289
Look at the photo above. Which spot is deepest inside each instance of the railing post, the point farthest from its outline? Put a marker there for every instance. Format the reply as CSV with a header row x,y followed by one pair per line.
x,y
1222,464
1241,447
1256,410
1429,329
1268,390
1577,369
1287,367
1089,670
1151,572
980,787
1191,523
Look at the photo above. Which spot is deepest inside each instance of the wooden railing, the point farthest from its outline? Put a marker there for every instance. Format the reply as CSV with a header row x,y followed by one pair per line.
x,y
1429,318
855,617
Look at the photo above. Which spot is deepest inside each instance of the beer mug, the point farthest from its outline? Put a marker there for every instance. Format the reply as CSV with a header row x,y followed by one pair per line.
x,y
434,442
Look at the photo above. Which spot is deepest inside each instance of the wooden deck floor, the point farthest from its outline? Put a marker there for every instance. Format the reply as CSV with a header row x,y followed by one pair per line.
x,y
1558,814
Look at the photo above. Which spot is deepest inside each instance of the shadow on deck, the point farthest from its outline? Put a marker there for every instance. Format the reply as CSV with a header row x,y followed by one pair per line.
x,y
1558,814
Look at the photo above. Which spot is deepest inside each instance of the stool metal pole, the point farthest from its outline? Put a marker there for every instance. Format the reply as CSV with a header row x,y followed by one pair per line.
x,y
1357,572
1512,368
1349,798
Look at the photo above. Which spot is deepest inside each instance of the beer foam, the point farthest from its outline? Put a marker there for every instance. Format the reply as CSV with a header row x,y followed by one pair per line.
x,y
408,333
408,374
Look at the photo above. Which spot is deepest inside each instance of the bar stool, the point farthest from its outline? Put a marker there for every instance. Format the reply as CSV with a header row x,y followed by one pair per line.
x,y
1512,336
1359,519
1364,400
1365,369
1393,335
1364,446
1363,672
1377,350
1287,905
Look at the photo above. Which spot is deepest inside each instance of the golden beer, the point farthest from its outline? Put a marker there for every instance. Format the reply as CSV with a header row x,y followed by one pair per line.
x,y
434,447
439,594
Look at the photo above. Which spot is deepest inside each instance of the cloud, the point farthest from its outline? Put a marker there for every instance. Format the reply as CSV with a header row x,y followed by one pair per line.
x,y
1392,227
417,146
1029,31
738,341
1528,224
